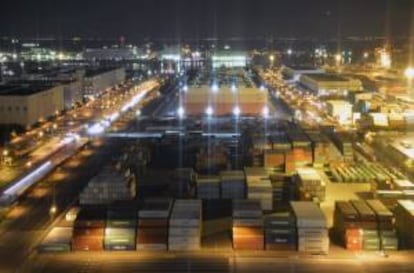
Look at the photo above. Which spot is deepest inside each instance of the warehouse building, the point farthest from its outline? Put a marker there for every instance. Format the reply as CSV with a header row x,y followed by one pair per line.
x,y
225,100
325,85
229,59
25,105
114,54
294,72
72,88
98,80
340,110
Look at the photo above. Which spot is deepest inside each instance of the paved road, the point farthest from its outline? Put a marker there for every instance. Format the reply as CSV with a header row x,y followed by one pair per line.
x,y
27,222
166,262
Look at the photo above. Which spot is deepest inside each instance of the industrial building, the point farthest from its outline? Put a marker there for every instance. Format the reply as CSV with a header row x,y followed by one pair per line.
x,y
25,105
114,54
230,59
224,101
71,86
97,80
325,85
340,110
294,72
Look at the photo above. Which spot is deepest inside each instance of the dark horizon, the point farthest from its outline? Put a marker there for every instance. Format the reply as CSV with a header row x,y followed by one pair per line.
x,y
200,19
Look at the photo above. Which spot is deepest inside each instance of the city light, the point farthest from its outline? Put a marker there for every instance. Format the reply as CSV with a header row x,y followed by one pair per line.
x,y
24,183
233,88
338,58
53,210
385,59
185,88
96,129
265,112
236,111
180,112
289,51
214,87
209,111
409,73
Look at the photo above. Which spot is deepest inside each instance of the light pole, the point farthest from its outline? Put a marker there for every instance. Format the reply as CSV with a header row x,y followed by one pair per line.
x,y
272,60
409,74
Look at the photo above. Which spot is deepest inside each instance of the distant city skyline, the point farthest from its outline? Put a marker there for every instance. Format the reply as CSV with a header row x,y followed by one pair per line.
x,y
198,19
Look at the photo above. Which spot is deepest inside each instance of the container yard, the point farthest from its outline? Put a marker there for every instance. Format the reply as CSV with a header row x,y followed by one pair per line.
x,y
229,182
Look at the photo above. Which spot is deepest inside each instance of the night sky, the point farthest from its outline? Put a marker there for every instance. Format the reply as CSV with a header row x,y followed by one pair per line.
x,y
183,19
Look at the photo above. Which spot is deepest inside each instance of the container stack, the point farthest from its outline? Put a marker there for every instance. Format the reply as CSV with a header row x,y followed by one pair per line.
x,y
280,146
152,232
211,159
368,224
386,228
59,239
89,228
311,186
107,187
311,227
185,225
344,143
301,153
259,187
183,181
208,187
247,225
217,216
346,226
233,184
320,148
404,216
280,231
120,230
279,193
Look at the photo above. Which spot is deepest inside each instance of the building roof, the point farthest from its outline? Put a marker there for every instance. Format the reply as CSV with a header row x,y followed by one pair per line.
x,y
324,77
23,90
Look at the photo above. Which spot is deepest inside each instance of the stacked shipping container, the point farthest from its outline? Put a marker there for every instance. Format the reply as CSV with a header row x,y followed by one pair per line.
x,y
280,231
310,184
208,186
259,187
233,184
247,225
311,228
89,228
185,225
121,222
152,232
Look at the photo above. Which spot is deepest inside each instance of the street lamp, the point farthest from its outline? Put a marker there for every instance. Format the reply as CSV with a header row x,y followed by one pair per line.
x,y
338,58
265,112
209,111
271,59
236,111
409,73
180,112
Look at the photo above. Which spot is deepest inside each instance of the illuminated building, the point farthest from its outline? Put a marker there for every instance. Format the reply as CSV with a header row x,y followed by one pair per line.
x,y
27,104
330,84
